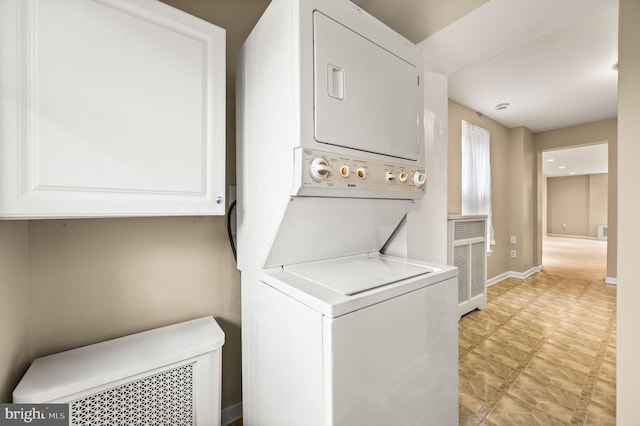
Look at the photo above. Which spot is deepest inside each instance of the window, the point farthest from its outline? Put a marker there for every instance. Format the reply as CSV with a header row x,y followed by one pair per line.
x,y
476,175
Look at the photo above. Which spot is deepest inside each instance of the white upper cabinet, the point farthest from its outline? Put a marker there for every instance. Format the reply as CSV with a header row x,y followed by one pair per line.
x,y
110,108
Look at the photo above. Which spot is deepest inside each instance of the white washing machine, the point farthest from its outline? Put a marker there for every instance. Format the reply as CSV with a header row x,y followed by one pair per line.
x,y
330,159
360,340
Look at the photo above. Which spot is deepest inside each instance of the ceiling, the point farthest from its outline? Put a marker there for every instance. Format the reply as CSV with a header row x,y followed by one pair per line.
x,y
584,160
551,60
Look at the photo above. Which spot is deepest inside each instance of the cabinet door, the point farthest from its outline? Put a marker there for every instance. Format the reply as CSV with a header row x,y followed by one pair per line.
x,y
110,108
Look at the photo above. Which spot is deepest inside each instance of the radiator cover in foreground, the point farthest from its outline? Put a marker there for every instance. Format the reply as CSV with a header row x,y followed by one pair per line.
x,y
166,376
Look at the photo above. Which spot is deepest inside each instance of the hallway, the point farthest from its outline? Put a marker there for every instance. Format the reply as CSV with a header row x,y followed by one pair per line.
x,y
543,352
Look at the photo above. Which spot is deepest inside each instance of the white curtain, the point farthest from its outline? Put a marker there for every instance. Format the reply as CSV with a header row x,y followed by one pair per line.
x,y
476,175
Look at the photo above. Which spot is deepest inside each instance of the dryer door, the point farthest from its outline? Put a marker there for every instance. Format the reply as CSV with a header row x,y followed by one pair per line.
x,y
365,97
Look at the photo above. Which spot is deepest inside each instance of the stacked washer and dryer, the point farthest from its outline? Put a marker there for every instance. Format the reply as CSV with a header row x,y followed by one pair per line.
x,y
330,160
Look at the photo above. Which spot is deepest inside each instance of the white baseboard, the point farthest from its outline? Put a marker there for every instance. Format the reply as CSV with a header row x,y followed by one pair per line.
x,y
231,413
526,274
584,237
498,278
513,274
610,280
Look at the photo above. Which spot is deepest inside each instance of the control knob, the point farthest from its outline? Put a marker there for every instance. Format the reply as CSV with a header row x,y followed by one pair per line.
x,y
320,169
419,179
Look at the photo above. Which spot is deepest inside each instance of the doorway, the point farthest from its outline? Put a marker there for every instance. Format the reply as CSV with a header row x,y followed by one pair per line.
x,y
574,199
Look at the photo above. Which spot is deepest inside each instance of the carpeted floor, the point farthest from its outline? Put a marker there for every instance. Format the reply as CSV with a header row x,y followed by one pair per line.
x,y
543,352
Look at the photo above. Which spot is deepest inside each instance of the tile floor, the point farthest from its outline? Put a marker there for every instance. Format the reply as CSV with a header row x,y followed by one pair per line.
x,y
543,352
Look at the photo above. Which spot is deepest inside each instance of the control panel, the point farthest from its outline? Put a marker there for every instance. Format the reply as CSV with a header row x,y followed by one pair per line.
x,y
331,174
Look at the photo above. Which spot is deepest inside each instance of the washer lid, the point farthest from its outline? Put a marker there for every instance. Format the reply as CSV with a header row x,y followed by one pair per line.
x,y
355,274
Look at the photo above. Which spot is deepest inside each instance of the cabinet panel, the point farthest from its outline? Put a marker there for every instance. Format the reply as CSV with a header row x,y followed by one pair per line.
x,y
114,108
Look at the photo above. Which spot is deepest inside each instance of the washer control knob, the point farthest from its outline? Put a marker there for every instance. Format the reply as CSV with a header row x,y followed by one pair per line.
x,y
403,176
389,176
419,179
361,173
320,169
345,172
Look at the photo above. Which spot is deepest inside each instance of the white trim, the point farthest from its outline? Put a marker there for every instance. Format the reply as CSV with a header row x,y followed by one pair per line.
x,y
498,278
582,237
513,274
231,413
527,273
611,280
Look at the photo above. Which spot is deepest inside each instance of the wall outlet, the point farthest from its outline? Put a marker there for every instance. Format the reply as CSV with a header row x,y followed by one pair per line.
x,y
514,239
514,254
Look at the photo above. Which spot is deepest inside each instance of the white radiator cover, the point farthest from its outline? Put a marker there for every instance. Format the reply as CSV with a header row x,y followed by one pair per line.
x,y
467,249
170,375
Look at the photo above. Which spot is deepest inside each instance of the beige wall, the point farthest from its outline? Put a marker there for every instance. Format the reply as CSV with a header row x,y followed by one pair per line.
x,y
628,376
14,305
568,205
583,134
521,198
498,262
96,279
598,202
588,134
69,283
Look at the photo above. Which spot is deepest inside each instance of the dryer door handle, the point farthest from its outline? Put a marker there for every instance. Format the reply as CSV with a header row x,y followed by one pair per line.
x,y
335,81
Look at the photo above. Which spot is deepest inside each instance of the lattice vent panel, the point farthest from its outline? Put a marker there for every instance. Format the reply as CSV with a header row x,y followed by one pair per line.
x,y
165,398
478,253
468,229
461,260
